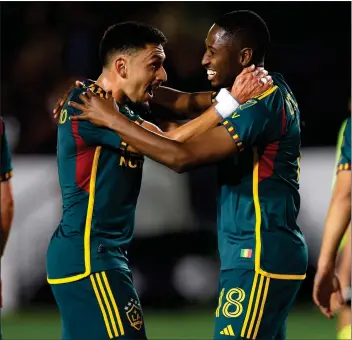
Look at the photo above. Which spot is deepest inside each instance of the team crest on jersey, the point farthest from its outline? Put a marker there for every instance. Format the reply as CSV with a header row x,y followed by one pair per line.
x,y
134,314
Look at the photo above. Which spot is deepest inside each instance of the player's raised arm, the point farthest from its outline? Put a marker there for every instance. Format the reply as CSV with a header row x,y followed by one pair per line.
x,y
7,204
191,104
249,83
251,123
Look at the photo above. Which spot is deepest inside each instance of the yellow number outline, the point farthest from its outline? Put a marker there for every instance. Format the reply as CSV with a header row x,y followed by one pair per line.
x,y
230,301
63,117
291,103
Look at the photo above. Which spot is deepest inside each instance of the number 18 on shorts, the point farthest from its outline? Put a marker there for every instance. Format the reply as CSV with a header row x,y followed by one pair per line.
x,y
253,306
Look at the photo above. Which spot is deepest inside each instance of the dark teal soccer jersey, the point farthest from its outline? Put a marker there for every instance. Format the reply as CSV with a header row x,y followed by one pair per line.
x,y
100,183
258,201
345,156
6,162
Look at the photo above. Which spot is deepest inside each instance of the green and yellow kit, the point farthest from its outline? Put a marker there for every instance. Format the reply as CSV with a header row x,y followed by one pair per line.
x,y
87,263
262,250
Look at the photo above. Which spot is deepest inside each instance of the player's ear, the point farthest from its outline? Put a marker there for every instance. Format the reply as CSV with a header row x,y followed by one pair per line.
x,y
246,55
121,67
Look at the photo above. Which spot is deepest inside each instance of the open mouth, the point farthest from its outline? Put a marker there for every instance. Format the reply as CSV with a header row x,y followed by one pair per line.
x,y
150,90
211,74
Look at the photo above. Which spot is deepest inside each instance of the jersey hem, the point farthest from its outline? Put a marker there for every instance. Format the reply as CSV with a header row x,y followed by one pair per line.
x,y
78,277
231,129
343,167
6,176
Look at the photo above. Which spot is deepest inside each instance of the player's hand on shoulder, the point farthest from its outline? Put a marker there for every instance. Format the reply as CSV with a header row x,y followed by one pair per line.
x,y
95,109
60,103
250,83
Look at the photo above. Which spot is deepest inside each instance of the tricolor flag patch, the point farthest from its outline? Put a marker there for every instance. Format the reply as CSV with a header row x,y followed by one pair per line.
x,y
246,253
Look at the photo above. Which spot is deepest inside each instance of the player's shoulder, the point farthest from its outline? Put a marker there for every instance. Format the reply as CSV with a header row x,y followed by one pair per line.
x,y
77,91
276,93
262,103
74,95
275,97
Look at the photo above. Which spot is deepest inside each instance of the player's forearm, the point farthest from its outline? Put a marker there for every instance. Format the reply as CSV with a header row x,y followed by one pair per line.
x,y
159,148
337,221
195,127
183,102
7,212
344,268
209,119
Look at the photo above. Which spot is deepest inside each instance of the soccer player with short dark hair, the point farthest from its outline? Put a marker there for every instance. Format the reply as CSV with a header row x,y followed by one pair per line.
x,y
257,149
100,178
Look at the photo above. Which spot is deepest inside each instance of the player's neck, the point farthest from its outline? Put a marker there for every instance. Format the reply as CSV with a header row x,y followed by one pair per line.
x,y
106,83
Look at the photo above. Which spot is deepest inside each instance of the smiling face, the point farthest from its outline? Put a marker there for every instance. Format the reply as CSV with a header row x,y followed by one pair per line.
x,y
144,72
223,57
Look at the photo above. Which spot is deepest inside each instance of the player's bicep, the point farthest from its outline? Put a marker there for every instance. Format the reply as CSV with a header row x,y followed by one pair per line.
x,y
6,194
343,185
208,148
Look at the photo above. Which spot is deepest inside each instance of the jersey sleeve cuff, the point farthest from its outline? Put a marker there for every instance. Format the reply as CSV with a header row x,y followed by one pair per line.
x,y
6,176
139,121
231,129
344,167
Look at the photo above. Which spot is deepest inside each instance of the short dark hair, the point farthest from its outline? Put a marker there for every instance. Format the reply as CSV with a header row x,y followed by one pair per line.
x,y
126,36
249,28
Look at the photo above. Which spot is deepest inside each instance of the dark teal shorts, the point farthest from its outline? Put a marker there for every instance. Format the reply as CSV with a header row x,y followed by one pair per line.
x,y
253,306
104,305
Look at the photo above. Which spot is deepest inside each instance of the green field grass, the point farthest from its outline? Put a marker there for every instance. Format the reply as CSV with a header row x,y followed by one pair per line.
x,y
305,322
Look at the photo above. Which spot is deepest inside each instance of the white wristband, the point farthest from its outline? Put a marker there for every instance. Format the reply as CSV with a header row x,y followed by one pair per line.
x,y
226,105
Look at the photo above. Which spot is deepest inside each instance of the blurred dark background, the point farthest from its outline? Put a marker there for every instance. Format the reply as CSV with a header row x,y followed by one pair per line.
x,y
44,44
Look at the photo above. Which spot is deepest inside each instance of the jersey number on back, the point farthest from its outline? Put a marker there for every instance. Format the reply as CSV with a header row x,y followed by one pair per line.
x,y
63,117
291,104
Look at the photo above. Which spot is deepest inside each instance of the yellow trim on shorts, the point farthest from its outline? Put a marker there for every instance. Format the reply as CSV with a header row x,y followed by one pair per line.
x,y
258,221
257,299
101,305
88,226
107,305
114,305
